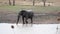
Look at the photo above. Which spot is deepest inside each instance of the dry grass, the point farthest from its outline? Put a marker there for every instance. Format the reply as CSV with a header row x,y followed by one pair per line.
x,y
28,2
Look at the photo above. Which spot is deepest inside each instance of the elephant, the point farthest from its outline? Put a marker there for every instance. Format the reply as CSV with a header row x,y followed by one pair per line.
x,y
26,14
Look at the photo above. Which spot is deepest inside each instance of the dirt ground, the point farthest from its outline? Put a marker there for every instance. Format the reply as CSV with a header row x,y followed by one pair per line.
x,y
11,17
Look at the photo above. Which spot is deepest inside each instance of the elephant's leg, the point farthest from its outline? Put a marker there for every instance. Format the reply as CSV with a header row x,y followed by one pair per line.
x,y
26,21
23,20
31,21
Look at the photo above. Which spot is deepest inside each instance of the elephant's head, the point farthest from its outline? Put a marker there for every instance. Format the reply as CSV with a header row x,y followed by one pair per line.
x,y
21,13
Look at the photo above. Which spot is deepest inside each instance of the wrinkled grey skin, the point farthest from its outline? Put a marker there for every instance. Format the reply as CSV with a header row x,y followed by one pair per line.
x,y
25,16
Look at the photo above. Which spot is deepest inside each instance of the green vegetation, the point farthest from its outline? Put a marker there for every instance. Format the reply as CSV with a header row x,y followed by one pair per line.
x,y
38,9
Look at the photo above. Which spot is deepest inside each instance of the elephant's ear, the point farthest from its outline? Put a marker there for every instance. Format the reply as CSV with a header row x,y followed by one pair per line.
x,y
20,13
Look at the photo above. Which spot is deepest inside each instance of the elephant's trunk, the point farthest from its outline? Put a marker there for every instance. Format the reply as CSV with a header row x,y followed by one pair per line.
x,y
18,19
